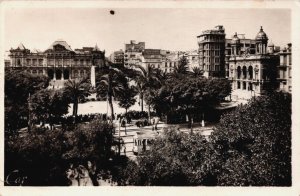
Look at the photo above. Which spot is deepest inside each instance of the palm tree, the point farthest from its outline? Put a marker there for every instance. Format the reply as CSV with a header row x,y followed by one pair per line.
x,y
77,89
181,68
146,79
197,72
111,85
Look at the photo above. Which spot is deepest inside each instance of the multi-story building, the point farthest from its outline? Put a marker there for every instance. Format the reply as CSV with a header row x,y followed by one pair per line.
x,y
133,53
170,61
59,62
211,52
285,68
193,59
117,57
252,74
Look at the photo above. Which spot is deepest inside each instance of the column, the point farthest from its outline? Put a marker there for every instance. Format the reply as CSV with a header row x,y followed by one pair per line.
x,y
54,74
62,73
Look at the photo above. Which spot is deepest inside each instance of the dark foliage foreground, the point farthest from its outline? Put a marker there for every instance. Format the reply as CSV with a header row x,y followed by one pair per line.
x,y
44,156
250,147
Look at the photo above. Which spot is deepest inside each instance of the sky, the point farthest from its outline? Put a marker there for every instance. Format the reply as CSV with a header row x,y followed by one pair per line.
x,y
161,28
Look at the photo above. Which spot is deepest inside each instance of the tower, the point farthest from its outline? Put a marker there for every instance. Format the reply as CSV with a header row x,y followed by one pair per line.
x,y
261,42
212,52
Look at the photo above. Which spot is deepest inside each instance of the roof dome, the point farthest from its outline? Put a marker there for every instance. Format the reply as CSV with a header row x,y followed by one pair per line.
x,y
235,39
271,44
62,43
21,46
261,35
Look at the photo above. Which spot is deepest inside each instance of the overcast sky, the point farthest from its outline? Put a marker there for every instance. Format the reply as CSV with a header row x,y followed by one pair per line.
x,y
171,29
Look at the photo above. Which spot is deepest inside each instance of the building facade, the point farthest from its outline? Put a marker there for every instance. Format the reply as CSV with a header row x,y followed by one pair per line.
x,y
246,46
285,69
252,74
59,62
117,57
133,53
211,52
193,59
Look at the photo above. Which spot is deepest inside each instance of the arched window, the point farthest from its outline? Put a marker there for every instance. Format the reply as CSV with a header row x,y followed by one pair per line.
x,y
50,74
58,74
238,85
239,72
244,85
250,71
244,72
66,74
250,88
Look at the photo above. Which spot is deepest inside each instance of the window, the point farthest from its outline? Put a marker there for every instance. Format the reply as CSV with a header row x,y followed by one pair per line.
x,y
250,70
244,85
238,85
250,88
244,72
239,72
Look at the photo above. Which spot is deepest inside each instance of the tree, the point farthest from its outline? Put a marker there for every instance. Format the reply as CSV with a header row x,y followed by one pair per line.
x,y
44,155
146,80
189,95
253,143
111,85
18,86
175,159
197,72
127,98
46,104
77,89
181,69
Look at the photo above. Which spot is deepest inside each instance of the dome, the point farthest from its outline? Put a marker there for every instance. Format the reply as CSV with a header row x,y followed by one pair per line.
x,y
271,44
261,35
235,39
62,43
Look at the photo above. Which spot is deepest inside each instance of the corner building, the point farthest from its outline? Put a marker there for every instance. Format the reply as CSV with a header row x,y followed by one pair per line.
x,y
252,74
212,52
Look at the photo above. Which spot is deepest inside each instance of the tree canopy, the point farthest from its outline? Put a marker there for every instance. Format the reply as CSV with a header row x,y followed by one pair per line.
x,y
189,94
49,103
18,86
254,143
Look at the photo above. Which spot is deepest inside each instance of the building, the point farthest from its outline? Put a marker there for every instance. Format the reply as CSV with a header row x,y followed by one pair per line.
x,y
59,62
153,58
211,52
285,68
171,60
193,59
133,53
117,57
252,74
246,45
